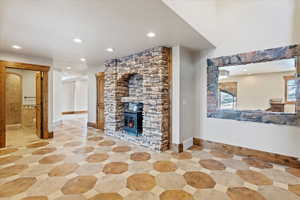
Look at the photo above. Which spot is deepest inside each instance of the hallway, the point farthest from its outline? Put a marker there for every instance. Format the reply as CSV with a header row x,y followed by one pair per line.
x,y
81,163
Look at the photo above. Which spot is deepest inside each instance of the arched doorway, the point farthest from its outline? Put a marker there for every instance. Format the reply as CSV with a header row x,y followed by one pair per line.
x,y
13,99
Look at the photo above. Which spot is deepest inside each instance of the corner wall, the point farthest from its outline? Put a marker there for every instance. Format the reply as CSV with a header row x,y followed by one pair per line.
x,y
234,28
183,96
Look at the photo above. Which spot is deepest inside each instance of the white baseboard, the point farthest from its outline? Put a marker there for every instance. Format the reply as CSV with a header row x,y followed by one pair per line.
x,y
187,143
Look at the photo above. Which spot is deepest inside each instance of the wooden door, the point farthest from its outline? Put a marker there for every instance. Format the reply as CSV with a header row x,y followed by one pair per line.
x,y
38,103
13,98
100,100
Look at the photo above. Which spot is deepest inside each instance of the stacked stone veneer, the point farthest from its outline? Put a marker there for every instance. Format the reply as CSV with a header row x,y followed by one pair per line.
x,y
142,76
135,86
245,58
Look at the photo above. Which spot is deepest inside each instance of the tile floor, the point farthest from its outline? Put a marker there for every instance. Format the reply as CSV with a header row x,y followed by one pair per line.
x,y
20,135
83,164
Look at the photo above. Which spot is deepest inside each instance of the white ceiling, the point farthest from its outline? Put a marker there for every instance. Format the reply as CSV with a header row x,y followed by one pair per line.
x,y
46,29
260,68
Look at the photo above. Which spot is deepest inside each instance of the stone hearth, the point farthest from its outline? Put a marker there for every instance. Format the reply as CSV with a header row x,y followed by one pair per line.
x,y
142,77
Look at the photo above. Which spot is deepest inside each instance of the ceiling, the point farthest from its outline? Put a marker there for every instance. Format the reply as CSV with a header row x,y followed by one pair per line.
x,y
46,29
260,68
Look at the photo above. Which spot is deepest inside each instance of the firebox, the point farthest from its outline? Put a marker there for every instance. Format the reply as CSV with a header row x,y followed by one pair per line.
x,y
133,118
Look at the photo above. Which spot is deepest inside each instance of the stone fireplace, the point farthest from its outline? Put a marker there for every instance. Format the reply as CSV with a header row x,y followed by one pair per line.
x,y
140,78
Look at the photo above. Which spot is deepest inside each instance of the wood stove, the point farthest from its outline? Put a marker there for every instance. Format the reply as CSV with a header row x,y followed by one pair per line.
x,y
133,118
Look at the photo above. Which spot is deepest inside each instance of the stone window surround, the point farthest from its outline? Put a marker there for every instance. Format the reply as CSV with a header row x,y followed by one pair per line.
x,y
267,55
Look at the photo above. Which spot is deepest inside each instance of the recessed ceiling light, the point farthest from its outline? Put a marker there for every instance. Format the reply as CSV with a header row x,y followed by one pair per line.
x,y
68,68
245,70
82,59
110,49
151,34
77,40
16,47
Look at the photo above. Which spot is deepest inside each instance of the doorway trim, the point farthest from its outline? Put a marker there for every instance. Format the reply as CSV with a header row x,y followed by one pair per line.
x,y
15,65
100,123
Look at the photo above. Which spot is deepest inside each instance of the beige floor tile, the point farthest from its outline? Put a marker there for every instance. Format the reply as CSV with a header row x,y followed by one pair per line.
x,y
110,183
170,181
275,193
141,196
227,179
210,194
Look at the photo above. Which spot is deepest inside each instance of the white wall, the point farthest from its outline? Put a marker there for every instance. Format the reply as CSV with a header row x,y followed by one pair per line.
x,y
57,97
68,96
92,93
255,91
187,97
183,96
75,95
241,27
81,95
29,86
176,95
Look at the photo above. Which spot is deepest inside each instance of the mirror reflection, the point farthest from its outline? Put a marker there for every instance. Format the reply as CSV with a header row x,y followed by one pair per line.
x,y
268,86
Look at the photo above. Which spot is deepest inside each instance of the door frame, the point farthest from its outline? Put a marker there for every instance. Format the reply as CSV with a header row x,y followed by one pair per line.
x,y
99,75
15,65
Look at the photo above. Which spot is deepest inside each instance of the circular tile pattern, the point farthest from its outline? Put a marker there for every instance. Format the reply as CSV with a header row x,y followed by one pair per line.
x,y
44,151
115,168
293,171
220,154
175,195
79,185
243,193
73,144
199,180
16,186
107,143
7,151
84,150
164,166
95,139
71,197
182,155
36,198
63,170
212,164
254,177
121,149
9,159
257,163
12,170
140,156
141,182
37,144
52,159
107,196
196,148
98,157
